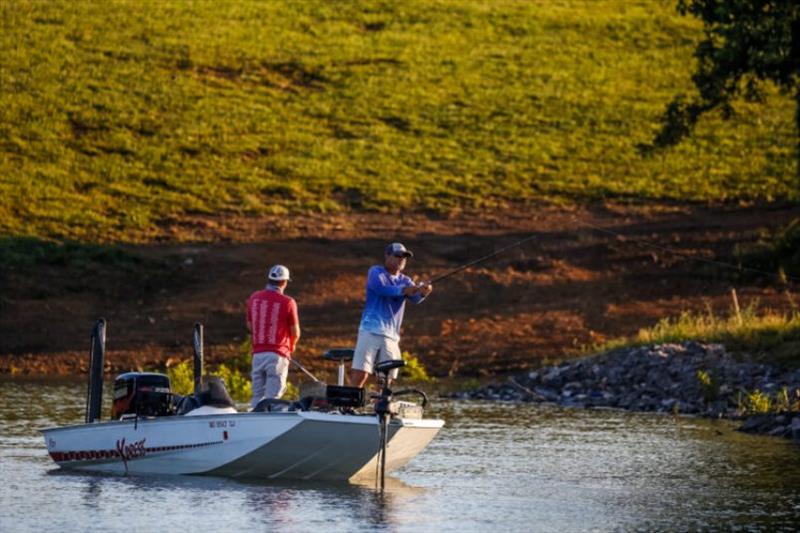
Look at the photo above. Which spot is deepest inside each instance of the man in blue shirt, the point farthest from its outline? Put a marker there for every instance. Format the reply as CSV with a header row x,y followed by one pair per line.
x,y
379,332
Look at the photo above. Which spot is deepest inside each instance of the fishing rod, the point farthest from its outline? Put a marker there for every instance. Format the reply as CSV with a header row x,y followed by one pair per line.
x,y
481,260
301,367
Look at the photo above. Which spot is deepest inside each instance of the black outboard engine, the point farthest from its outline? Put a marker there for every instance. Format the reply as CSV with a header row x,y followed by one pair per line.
x,y
141,394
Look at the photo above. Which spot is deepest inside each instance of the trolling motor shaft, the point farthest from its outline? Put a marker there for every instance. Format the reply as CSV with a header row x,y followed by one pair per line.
x,y
384,410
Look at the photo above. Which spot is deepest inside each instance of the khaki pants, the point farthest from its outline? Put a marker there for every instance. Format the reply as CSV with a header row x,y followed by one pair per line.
x,y
269,376
371,345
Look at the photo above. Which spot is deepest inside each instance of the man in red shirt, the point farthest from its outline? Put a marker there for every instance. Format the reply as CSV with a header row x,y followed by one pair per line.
x,y
275,327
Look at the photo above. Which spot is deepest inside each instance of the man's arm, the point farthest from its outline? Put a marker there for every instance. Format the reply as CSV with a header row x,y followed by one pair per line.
x,y
247,316
294,325
378,282
294,334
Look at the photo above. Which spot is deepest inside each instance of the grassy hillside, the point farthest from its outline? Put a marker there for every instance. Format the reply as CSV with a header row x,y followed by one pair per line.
x,y
115,116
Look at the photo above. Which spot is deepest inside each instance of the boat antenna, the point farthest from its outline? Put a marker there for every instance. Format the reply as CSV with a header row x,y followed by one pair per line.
x,y
465,266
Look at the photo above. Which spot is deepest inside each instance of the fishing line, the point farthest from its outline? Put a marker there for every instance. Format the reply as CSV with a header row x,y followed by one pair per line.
x,y
647,244
482,259
782,278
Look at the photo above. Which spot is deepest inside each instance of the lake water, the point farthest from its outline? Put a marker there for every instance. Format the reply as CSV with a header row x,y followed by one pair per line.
x,y
499,466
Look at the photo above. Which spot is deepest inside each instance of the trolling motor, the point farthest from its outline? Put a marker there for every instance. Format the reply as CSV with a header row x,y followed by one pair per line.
x,y
383,408
386,407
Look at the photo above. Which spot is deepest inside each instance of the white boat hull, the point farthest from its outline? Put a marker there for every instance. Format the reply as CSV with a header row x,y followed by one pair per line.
x,y
292,445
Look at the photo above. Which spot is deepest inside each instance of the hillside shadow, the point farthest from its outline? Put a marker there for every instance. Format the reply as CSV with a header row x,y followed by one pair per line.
x,y
571,285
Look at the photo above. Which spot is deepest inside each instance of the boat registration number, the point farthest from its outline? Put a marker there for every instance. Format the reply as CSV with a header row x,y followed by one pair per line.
x,y
222,424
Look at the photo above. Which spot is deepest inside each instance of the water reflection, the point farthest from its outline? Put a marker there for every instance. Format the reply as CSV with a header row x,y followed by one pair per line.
x,y
275,505
503,466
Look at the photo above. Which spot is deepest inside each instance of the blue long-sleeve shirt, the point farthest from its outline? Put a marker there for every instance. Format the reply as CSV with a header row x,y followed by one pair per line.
x,y
383,312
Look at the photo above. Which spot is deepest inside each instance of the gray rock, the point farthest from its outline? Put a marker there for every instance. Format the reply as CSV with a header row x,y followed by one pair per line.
x,y
755,423
547,394
777,431
794,428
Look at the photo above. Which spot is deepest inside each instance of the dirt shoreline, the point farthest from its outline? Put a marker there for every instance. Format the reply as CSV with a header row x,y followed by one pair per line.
x,y
571,285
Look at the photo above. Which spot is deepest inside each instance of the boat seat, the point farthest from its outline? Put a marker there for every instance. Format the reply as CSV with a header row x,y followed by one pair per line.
x,y
339,354
384,367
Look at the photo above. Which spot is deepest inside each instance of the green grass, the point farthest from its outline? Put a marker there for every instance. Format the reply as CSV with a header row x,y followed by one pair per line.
x,y
117,117
24,252
767,336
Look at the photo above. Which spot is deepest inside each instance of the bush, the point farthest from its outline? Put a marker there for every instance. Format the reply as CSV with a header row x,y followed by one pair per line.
x,y
414,370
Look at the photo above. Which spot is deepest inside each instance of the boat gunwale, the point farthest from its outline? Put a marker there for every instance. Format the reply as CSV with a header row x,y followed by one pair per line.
x,y
315,416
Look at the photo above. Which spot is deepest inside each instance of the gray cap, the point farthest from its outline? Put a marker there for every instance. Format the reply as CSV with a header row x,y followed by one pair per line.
x,y
397,248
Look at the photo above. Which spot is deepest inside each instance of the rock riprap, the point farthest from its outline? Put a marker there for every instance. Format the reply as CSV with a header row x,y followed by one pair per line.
x,y
687,378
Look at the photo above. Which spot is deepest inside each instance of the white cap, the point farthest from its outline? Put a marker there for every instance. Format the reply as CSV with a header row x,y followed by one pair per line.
x,y
279,273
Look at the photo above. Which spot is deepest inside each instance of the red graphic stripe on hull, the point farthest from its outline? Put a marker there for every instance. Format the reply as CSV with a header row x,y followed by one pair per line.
x,y
94,455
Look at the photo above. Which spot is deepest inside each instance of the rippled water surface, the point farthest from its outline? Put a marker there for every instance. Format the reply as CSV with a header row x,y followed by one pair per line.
x,y
499,466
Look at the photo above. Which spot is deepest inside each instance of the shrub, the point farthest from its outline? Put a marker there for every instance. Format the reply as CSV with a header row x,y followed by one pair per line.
x,y
414,370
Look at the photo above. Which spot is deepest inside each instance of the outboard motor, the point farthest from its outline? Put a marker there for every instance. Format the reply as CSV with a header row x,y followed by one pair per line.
x,y
141,394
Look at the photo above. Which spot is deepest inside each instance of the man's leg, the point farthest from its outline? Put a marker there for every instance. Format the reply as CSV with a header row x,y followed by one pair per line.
x,y
363,358
259,379
358,378
277,371
390,351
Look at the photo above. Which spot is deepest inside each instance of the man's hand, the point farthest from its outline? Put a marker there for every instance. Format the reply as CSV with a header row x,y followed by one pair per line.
x,y
425,289
410,290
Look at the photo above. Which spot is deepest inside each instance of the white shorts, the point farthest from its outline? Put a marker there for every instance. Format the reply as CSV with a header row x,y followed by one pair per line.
x,y
371,344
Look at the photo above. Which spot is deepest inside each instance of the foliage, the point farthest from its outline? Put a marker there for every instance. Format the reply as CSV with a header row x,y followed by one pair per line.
x,y
237,382
755,402
747,43
181,377
414,370
244,356
778,252
785,401
470,384
772,337
709,385
292,392
126,122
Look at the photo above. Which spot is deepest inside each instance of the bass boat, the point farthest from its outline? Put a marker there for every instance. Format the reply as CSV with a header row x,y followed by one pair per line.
x,y
333,432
